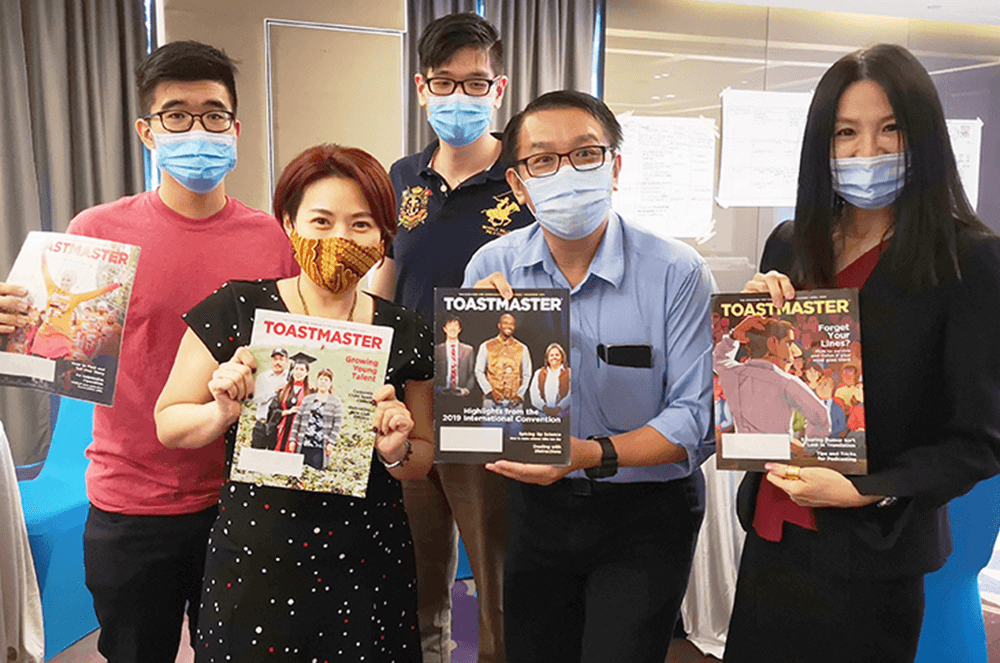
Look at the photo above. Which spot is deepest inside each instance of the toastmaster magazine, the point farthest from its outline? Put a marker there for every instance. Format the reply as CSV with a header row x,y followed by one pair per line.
x,y
78,296
789,382
501,376
309,423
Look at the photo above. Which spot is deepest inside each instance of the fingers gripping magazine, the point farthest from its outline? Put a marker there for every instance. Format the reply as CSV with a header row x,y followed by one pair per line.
x,y
501,376
309,423
78,295
789,384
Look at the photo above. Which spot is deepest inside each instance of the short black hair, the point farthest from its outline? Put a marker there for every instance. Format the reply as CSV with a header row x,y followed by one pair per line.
x,y
183,61
561,99
450,319
449,34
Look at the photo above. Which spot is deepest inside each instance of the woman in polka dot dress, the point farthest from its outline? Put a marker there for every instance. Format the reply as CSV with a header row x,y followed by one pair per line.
x,y
294,575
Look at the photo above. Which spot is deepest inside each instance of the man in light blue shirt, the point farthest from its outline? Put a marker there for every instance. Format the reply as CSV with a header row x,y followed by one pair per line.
x,y
600,551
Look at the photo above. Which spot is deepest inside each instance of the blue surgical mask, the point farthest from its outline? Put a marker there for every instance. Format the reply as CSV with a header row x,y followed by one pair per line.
x,y
869,182
198,160
459,119
572,204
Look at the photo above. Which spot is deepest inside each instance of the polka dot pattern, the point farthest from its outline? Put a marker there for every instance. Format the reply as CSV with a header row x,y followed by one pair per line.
x,y
300,576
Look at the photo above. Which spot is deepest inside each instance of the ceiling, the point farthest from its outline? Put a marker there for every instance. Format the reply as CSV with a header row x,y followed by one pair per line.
x,y
673,57
986,12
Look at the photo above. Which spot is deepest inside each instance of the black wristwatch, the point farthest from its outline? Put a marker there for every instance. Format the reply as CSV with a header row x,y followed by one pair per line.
x,y
609,459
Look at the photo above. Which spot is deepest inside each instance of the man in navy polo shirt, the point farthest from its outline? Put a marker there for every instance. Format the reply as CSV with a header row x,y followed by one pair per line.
x,y
453,198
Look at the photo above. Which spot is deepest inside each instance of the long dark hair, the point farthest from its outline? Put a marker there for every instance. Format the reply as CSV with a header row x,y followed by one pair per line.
x,y
286,391
932,206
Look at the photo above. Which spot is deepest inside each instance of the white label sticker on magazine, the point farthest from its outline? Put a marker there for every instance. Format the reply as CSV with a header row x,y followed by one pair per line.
x,y
756,446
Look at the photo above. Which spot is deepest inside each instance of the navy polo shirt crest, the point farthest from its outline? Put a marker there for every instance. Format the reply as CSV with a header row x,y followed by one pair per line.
x,y
439,228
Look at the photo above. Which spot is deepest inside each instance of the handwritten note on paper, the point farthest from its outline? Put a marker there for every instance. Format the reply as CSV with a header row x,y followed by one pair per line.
x,y
668,174
966,140
761,144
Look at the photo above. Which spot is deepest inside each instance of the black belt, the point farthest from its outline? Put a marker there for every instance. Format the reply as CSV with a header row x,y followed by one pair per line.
x,y
581,486
585,487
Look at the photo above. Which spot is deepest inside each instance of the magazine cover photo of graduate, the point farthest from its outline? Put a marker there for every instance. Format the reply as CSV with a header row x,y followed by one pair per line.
x,y
308,425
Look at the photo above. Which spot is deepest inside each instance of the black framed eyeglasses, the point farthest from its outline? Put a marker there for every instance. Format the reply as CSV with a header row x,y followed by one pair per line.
x,y
546,164
474,87
178,121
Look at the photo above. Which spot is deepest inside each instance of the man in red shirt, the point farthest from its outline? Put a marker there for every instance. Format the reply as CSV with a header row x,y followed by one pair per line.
x,y
152,507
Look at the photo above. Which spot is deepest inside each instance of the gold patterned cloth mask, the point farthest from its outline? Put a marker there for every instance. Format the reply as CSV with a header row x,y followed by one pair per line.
x,y
335,263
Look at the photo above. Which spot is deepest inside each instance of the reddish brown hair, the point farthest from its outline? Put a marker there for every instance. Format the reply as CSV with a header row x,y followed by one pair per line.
x,y
757,338
329,160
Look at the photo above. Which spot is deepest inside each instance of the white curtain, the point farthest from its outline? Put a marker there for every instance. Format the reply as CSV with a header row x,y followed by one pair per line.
x,y
712,587
21,635
67,104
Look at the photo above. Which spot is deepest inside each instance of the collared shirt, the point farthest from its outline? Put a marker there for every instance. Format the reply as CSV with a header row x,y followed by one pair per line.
x,y
639,289
439,228
266,385
549,393
754,382
503,368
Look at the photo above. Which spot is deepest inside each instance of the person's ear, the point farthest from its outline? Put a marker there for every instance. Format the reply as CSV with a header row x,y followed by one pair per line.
x,y
421,82
145,133
288,225
518,189
500,88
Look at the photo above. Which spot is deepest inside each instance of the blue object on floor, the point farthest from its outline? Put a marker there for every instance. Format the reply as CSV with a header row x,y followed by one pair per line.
x,y
463,570
953,628
55,510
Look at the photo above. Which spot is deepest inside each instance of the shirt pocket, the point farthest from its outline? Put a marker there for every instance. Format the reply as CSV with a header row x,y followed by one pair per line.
x,y
629,396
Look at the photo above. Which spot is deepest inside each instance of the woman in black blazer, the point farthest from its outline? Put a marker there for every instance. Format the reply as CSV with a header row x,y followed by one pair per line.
x,y
832,568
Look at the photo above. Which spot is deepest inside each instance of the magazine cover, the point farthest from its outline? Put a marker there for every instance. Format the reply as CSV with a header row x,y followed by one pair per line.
x,y
789,384
501,376
78,295
309,423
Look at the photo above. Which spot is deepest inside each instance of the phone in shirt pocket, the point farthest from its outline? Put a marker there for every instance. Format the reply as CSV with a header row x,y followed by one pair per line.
x,y
639,355
627,384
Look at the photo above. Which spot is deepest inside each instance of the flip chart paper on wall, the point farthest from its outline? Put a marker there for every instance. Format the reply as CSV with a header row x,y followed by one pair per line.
x,y
761,142
668,174
966,139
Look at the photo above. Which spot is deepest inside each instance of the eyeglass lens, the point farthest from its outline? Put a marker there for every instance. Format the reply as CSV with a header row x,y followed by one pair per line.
x,y
474,87
582,158
178,120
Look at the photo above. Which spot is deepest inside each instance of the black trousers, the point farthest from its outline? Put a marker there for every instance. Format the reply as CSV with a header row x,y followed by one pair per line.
x,y
259,439
786,610
598,577
142,572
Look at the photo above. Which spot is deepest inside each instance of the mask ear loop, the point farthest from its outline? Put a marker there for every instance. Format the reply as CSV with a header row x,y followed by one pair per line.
x,y
525,185
838,200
